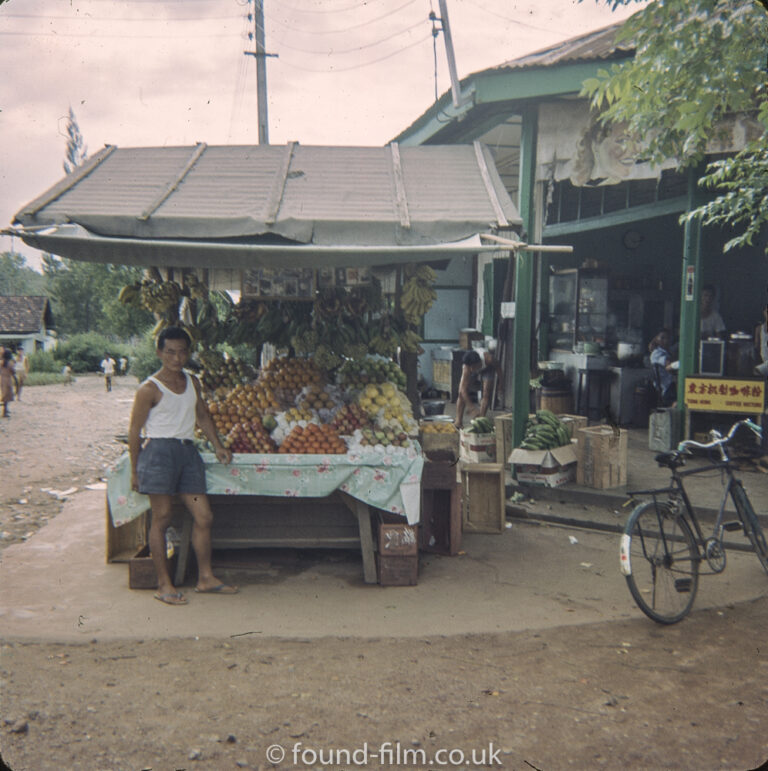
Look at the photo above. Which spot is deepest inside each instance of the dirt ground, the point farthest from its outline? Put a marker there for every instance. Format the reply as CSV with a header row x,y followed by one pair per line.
x,y
616,695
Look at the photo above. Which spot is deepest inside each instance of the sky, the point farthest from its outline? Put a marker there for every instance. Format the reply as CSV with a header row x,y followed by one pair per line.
x,y
142,73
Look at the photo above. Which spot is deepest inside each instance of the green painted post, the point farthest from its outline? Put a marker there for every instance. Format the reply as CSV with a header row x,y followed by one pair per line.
x,y
690,293
524,279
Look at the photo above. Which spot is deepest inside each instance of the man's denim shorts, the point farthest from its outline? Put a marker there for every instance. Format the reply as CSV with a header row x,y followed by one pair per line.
x,y
169,466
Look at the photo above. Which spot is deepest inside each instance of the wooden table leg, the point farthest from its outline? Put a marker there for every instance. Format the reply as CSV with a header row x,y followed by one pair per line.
x,y
363,514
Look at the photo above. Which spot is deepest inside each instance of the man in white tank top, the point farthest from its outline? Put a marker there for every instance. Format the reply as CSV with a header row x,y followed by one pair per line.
x,y
166,407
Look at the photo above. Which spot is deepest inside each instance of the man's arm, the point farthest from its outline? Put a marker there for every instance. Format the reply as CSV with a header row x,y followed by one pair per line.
x,y
143,402
205,421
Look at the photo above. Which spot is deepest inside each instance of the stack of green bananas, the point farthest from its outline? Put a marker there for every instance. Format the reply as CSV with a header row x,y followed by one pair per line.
x,y
545,432
480,426
418,294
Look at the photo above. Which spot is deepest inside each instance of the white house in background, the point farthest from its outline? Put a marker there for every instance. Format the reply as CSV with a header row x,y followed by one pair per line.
x,y
27,322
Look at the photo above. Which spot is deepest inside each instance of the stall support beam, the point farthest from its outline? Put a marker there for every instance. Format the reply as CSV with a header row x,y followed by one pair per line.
x,y
690,292
524,278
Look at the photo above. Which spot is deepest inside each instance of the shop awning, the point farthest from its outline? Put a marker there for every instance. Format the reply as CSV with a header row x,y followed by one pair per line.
x,y
268,205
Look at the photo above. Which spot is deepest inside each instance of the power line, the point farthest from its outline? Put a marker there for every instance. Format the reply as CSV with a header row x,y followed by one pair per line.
x,y
344,29
326,10
334,70
89,17
184,36
337,51
516,22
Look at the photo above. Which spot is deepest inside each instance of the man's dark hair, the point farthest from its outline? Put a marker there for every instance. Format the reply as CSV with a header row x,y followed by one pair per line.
x,y
172,333
709,288
471,358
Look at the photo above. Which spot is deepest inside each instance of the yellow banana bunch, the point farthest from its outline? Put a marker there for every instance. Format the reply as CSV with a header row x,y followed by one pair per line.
x,y
417,298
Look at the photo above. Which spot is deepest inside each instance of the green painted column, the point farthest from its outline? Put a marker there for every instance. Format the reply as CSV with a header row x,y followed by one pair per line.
x,y
524,279
690,292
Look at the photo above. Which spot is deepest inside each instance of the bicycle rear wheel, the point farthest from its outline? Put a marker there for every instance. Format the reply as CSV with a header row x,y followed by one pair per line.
x,y
660,561
750,523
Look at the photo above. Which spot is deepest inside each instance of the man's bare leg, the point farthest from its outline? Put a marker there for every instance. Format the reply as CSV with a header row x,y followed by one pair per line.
x,y
161,519
202,519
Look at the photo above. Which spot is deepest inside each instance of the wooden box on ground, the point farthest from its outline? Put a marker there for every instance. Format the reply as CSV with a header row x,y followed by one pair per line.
x,y
602,457
573,423
504,426
123,542
477,448
398,560
483,509
141,570
440,526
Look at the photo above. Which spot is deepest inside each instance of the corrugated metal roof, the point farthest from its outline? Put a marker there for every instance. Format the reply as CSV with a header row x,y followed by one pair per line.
x,y
598,45
22,314
324,196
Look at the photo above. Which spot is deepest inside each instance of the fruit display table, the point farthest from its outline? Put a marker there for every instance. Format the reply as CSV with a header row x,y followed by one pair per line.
x,y
249,498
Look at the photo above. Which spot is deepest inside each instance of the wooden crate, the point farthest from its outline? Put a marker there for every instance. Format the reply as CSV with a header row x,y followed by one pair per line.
x,y
440,446
601,455
441,374
483,509
440,525
505,443
399,539
141,570
573,423
398,570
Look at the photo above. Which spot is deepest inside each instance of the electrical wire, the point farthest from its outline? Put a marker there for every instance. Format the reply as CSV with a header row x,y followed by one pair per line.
x,y
334,70
516,22
185,36
338,51
326,10
89,17
344,29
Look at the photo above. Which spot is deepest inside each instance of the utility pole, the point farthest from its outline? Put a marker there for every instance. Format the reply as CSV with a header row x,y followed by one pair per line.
x,y
261,70
456,93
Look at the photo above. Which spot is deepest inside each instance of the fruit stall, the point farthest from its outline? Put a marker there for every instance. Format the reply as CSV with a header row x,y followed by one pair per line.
x,y
330,251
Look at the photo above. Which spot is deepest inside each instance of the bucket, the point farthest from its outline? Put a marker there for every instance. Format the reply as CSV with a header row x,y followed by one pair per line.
x,y
557,400
641,405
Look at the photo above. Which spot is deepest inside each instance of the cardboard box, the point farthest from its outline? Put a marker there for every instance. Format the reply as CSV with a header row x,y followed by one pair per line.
x,y
545,468
505,426
483,500
573,423
477,448
602,457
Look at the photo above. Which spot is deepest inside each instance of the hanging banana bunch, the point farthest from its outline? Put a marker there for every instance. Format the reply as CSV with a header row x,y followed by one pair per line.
x,y
418,293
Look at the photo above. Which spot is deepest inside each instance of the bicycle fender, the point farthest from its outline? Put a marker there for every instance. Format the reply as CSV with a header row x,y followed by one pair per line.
x,y
624,562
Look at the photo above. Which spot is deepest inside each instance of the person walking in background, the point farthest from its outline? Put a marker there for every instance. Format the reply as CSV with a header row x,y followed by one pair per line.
x,y
7,376
123,365
22,370
108,368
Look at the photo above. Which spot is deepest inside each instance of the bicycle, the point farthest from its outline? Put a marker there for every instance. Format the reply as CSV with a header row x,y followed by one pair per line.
x,y
663,545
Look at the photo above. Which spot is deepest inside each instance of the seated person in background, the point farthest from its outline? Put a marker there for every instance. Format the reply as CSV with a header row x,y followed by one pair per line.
x,y
712,324
661,360
471,365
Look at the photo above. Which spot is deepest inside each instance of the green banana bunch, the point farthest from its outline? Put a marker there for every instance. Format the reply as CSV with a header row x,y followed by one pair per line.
x,y
545,432
130,294
418,295
481,426
161,297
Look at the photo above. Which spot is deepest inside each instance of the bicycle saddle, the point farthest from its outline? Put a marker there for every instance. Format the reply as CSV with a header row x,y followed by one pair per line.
x,y
671,460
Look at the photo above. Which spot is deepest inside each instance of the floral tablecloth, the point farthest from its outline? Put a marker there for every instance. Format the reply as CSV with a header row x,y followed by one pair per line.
x,y
389,481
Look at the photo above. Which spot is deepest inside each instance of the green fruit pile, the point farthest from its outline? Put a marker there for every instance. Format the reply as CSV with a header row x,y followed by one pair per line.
x,y
358,373
545,431
220,372
480,426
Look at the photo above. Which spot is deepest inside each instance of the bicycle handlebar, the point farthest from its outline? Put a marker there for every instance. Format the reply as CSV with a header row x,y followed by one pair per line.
x,y
718,440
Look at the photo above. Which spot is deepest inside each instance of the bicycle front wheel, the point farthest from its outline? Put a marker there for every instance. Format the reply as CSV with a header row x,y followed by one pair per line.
x,y
660,561
750,523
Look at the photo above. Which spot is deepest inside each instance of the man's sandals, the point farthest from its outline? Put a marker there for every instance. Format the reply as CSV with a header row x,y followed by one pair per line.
x,y
172,598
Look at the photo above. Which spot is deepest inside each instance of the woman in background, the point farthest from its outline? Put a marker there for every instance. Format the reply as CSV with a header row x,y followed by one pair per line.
x,y
662,362
7,378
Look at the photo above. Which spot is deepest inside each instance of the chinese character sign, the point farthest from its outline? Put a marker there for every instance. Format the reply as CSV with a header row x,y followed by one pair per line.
x,y
707,394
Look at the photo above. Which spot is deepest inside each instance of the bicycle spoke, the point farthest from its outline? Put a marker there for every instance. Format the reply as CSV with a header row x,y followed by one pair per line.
x,y
663,569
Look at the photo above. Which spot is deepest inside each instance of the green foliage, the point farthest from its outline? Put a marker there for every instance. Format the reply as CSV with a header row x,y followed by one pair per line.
x,y
84,298
44,378
17,278
144,359
43,362
84,352
696,63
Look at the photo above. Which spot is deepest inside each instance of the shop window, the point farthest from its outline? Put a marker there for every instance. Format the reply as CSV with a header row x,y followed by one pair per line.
x,y
672,184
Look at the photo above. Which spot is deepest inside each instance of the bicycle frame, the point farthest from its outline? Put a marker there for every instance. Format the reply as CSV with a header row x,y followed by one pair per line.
x,y
676,490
